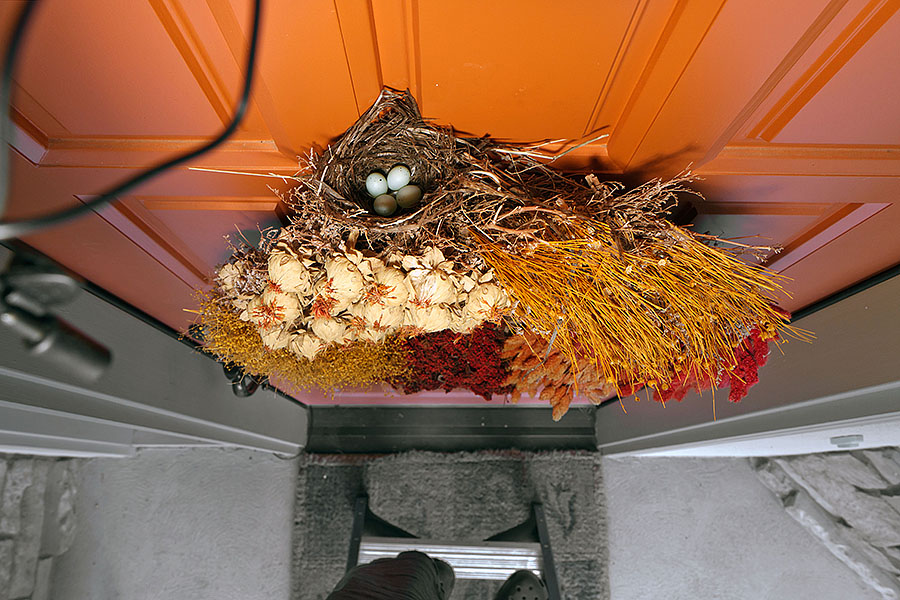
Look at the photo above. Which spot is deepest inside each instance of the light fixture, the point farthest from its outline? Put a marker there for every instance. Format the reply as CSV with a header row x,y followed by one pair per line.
x,y
847,441
28,291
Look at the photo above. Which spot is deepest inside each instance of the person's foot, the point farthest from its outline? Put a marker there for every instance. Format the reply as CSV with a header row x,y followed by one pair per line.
x,y
446,578
522,585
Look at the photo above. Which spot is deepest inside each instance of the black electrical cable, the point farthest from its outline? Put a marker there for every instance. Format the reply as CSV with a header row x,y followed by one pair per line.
x,y
9,60
19,228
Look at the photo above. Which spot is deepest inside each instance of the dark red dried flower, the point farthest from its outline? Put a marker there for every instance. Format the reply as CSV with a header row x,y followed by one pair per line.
x,y
450,361
750,355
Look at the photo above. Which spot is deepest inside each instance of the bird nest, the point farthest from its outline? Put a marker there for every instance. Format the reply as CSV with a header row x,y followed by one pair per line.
x,y
473,187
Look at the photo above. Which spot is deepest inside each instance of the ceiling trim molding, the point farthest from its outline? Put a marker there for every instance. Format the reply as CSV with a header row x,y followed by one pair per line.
x,y
136,223
627,40
682,36
261,99
805,160
838,53
359,38
138,152
809,37
401,69
181,32
27,138
833,224
219,203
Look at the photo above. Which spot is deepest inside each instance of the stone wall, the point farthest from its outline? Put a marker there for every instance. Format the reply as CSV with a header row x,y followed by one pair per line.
x,y
850,501
37,522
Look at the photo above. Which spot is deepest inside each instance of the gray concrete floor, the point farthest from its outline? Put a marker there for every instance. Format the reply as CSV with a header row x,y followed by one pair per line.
x,y
703,528
215,524
190,524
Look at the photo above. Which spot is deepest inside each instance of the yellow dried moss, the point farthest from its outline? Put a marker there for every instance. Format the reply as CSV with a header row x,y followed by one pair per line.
x,y
359,364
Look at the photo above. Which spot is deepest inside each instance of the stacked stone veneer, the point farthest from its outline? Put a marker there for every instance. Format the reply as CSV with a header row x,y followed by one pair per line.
x,y
37,522
850,501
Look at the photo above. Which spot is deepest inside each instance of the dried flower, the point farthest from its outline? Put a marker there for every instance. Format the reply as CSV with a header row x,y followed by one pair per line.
x,y
345,282
289,274
486,302
384,318
430,278
427,319
276,338
306,345
463,323
272,308
387,287
229,275
324,303
330,331
450,361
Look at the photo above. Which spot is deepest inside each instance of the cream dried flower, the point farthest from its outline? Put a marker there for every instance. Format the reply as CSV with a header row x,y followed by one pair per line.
x,y
289,274
276,338
427,319
387,287
387,319
324,304
430,278
330,331
486,302
345,282
272,308
229,275
306,345
461,323
373,336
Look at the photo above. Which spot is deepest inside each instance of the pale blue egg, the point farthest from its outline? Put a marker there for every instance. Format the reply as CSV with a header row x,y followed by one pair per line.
x,y
397,177
376,184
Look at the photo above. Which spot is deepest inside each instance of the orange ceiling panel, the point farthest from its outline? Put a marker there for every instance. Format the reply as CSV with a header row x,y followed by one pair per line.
x,y
786,109
856,90
102,72
516,70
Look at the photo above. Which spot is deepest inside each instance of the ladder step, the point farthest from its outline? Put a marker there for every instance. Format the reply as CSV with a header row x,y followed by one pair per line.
x,y
481,560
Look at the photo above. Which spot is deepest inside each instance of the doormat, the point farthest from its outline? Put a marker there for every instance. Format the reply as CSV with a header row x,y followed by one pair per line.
x,y
456,496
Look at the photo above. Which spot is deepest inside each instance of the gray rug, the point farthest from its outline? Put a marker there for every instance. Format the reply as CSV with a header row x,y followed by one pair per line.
x,y
461,496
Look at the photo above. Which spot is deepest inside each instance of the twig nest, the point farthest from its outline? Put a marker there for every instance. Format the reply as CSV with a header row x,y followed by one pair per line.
x,y
390,137
306,345
289,274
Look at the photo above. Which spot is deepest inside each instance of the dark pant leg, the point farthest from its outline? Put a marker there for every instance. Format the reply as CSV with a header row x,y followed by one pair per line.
x,y
409,576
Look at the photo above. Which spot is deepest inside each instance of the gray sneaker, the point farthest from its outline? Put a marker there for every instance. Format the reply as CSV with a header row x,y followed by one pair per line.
x,y
522,585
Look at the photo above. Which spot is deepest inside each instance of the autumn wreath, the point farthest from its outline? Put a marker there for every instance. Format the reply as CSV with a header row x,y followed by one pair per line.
x,y
497,273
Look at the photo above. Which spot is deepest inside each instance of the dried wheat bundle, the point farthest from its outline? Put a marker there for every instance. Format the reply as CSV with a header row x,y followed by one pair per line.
x,y
535,368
